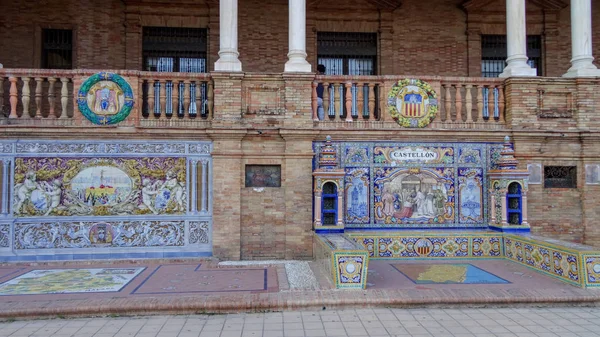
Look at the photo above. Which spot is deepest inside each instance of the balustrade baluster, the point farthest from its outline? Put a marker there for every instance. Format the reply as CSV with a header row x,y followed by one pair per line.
x,y
163,97
25,97
325,100
1,94
169,98
193,109
200,108
51,97
447,103
180,93
458,100
500,104
371,111
151,103
479,102
360,100
469,103
314,101
336,100
64,97
210,99
490,102
186,97
38,97
13,97
348,86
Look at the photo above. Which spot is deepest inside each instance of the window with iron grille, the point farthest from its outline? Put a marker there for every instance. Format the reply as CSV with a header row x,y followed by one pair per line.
x,y
173,49
560,176
57,49
347,53
493,54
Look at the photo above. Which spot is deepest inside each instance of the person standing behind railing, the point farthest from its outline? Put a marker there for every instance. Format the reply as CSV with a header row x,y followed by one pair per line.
x,y
320,90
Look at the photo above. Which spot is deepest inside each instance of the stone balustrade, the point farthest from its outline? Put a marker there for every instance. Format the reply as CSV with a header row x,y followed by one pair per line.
x,y
176,95
463,102
347,98
472,100
49,98
36,94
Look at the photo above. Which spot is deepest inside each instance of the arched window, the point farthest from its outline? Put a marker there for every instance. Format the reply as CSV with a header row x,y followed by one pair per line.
x,y
514,204
329,204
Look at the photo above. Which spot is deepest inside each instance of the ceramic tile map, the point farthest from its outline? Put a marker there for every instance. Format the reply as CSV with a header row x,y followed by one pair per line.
x,y
447,274
65,281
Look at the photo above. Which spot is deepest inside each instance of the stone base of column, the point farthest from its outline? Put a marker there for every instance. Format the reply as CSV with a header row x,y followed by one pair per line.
x,y
299,65
228,65
228,61
589,71
521,70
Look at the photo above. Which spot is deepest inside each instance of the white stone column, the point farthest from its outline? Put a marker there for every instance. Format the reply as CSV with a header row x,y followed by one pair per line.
x,y
516,41
297,38
581,40
228,32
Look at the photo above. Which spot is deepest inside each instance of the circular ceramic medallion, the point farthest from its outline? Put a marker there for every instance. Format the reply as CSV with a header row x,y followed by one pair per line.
x,y
596,268
412,103
105,98
423,247
350,268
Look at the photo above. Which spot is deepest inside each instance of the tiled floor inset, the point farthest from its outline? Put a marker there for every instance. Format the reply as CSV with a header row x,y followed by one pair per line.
x,y
64,281
455,273
178,279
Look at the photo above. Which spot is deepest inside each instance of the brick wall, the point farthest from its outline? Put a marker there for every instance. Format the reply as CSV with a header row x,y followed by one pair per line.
x,y
434,37
98,32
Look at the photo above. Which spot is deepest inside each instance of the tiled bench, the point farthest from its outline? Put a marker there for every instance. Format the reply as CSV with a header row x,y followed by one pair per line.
x,y
345,256
343,259
570,262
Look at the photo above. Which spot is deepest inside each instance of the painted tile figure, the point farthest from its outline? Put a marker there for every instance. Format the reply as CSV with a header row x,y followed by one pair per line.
x,y
99,186
413,196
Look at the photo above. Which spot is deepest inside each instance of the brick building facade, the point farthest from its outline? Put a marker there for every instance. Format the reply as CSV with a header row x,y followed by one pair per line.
x,y
264,116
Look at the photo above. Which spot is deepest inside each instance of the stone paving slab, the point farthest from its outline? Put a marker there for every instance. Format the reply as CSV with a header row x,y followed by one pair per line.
x,y
176,287
454,322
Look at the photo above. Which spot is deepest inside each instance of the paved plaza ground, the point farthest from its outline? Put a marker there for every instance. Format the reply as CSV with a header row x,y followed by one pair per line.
x,y
207,286
484,322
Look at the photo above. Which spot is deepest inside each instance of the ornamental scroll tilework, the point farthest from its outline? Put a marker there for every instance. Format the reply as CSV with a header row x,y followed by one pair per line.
x,y
428,246
75,194
412,103
105,98
551,260
415,185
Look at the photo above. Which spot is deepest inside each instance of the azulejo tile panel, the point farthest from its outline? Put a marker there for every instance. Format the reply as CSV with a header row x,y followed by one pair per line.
x,y
104,195
554,260
592,269
4,235
55,186
350,269
391,185
65,281
88,234
428,246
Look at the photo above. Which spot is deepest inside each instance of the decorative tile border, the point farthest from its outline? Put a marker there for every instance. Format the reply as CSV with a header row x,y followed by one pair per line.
x,y
430,245
551,259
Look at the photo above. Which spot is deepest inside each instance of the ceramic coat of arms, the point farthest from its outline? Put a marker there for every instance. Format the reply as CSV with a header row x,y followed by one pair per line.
x,y
105,98
412,103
